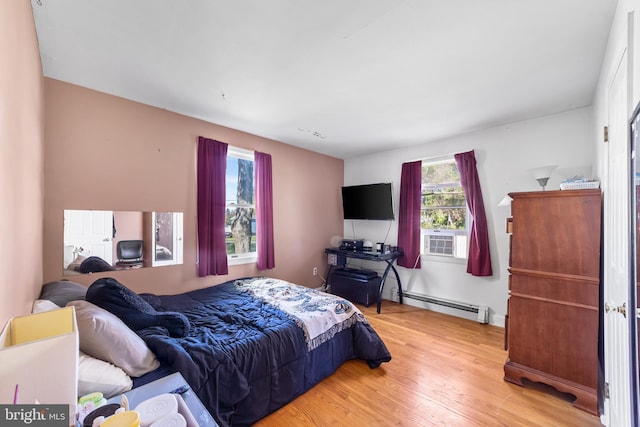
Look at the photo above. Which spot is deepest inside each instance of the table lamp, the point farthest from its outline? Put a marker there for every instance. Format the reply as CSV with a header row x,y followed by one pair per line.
x,y
542,174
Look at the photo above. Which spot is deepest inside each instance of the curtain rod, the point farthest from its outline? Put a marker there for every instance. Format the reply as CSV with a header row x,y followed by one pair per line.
x,y
433,158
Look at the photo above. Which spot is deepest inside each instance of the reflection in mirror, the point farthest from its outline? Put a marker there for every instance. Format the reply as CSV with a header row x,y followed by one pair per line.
x,y
97,241
167,239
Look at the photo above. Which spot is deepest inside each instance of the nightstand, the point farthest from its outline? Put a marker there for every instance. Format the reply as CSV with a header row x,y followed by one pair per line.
x,y
166,385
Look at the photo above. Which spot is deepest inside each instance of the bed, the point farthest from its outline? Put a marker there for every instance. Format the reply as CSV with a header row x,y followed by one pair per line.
x,y
247,347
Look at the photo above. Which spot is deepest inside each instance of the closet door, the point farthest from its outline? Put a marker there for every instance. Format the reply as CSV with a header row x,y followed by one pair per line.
x,y
616,259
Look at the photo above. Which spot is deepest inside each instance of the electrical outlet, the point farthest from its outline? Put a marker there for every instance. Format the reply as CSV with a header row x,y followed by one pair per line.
x,y
315,271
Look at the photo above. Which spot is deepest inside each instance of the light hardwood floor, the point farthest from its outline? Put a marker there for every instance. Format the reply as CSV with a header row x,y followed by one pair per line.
x,y
445,371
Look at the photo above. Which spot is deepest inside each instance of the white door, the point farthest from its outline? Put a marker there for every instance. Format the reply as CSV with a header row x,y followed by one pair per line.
x,y
616,253
90,232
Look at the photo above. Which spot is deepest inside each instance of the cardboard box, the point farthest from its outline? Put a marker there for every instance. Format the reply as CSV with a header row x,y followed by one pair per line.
x,y
39,353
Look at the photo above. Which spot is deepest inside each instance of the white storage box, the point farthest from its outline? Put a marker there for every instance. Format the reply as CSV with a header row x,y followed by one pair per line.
x,y
579,185
39,354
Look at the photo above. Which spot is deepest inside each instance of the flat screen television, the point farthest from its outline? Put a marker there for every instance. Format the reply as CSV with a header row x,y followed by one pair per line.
x,y
370,201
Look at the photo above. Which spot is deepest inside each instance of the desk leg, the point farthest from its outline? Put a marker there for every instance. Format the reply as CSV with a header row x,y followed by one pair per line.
x,y
384,278
399,283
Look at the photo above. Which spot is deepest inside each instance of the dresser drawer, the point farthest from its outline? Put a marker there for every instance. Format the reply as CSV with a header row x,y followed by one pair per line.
x,y
563,289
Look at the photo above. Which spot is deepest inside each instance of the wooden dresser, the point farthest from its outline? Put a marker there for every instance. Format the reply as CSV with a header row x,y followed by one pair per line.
x,y
552,314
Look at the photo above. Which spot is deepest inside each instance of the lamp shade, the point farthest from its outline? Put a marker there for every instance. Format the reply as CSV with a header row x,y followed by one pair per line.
x,y
542,172
506,201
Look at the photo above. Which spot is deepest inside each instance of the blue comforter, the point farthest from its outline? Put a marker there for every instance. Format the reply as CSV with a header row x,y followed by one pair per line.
x,y
245,358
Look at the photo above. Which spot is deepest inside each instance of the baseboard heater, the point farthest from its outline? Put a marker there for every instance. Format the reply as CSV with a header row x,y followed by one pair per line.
x,y
481,311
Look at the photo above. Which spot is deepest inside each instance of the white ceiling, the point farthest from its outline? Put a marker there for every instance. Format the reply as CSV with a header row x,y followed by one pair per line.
x,y
340,77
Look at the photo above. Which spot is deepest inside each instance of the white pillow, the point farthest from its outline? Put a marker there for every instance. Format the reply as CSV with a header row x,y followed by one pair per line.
x,y
98,375
106,337
41,305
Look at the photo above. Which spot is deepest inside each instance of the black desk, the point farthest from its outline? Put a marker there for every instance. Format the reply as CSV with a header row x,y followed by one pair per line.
x,y
389,258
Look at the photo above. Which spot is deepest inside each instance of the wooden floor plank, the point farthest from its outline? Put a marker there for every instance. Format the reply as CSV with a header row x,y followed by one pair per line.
x,y
445,371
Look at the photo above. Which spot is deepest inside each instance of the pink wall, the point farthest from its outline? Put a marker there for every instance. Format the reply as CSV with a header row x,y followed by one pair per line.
x,y
21,162
104,152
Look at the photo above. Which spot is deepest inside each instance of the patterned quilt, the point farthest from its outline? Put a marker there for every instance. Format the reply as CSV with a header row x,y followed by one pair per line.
x,y
320,315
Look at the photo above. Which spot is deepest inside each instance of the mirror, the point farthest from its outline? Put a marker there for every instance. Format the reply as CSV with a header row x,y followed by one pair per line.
x,y
97,241
634,291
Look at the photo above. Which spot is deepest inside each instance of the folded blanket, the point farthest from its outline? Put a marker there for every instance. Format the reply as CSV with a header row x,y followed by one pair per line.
x,y
134,310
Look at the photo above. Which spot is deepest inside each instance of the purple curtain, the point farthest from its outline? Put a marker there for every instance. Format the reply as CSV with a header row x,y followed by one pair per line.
x,y
479,261
409,215
264,212
212,171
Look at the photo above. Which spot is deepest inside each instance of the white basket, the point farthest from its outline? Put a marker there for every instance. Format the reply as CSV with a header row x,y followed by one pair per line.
x,y
579,185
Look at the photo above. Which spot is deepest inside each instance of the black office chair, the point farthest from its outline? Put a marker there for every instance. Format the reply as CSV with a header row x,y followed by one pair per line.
x,y
129,253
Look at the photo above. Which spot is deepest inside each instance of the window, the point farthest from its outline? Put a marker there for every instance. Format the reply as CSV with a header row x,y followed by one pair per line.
x,y
240,212
443,215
